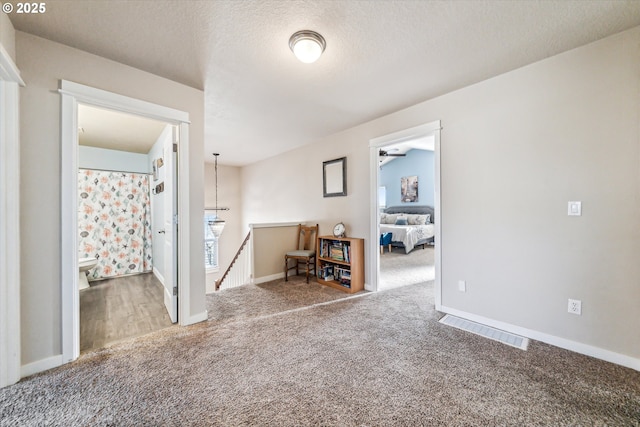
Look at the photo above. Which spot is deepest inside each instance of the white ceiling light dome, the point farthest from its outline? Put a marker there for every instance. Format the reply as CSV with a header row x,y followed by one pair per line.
x,y
307,45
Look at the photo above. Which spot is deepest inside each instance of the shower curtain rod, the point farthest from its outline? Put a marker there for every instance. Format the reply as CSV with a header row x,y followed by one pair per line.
x,y
111,170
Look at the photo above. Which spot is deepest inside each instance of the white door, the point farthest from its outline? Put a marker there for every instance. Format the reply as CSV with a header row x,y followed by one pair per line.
x,y
170,227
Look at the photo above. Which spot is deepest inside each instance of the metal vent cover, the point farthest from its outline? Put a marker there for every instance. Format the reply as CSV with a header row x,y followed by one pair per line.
x,y
486,331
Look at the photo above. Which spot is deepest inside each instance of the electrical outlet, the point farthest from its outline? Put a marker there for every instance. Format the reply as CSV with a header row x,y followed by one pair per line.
x,y
575,209
575,306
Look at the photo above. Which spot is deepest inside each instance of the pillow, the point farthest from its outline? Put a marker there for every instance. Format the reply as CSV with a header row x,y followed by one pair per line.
x,y
401,221
388,218
418,219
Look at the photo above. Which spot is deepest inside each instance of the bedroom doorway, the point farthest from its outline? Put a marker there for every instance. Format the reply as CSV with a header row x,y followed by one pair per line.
x,y
405,188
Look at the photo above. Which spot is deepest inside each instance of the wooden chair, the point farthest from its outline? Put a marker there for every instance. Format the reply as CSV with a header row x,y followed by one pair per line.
x,y
306,251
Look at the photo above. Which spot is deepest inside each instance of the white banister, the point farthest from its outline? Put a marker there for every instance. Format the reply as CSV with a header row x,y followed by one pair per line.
x,y
239,272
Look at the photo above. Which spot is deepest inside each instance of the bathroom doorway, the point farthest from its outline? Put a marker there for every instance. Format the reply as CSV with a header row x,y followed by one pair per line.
x,y
126,182
73,97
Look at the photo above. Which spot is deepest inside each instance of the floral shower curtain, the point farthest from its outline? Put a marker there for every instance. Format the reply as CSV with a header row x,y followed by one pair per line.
x,y
114,222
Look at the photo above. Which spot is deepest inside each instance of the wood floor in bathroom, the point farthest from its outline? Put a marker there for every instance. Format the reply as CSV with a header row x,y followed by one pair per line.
x,y
125,307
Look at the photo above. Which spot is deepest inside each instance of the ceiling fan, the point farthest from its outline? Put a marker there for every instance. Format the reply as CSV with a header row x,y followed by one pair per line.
x,y
384,153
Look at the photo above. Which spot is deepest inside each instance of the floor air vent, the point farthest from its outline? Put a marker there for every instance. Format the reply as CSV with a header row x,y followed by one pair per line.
x,y
486,331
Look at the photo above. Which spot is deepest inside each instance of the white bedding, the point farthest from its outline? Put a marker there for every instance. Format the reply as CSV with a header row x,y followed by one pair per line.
x,y
409,235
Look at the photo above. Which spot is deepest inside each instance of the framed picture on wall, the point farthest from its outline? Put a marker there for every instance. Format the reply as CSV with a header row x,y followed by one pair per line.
x,y
157,164
334,177
409,189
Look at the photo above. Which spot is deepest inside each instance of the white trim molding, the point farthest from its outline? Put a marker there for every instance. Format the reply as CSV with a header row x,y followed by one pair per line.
x,y
269,278
10,81
41,365
113,101
431,129
8,70
588,350
159,276
71,95
184,291
197,318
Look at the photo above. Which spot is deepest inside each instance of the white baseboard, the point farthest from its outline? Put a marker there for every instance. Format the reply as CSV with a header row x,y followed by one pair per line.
x,y
158,275
269,278
41,365
587,350
197,318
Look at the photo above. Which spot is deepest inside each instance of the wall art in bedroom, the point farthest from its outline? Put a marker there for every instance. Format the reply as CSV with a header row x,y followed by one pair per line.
x,y
409,189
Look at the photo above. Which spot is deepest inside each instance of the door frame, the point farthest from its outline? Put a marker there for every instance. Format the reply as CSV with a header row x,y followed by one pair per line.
x,y
431,129
71,95
10,81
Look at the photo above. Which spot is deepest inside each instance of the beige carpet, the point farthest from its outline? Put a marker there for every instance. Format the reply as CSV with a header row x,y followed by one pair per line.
x,y
254,301
398,268
375,360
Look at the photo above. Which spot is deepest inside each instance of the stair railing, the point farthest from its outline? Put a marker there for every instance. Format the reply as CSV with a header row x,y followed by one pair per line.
x,y
239,269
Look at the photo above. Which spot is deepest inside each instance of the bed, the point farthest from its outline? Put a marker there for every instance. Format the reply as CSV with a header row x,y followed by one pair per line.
x,y
410,226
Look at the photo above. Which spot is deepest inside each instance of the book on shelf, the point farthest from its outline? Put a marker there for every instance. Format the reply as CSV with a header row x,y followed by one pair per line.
x,y
336,250
346,252
345,282
337,253
326,272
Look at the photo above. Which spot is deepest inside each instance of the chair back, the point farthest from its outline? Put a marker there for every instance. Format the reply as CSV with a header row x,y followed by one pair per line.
x,y
307,237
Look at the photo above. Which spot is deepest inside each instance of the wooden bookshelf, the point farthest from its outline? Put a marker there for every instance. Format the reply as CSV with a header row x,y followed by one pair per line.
x,y
340,263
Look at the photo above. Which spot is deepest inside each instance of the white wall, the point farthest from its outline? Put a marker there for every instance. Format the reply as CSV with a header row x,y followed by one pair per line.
x,y
515,149
116,160
43,63
9,207
7,36
229,197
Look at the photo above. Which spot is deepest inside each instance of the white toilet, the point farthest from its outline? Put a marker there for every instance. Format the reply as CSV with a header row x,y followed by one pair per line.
x,y
85,265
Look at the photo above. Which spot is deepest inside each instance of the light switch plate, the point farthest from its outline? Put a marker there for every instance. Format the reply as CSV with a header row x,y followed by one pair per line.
x,y
462,285
575,209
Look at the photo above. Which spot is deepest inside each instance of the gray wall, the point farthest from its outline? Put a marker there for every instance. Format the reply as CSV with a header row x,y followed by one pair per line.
x,y
42,64
515,149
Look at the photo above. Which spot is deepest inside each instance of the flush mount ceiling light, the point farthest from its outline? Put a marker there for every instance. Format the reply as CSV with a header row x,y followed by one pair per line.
x,y
307,45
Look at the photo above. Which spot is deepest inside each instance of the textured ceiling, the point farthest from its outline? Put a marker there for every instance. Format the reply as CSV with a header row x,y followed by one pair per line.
x,y
381,56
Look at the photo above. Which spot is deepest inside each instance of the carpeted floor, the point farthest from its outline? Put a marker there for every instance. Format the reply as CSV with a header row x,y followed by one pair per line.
x,y
398,268
374,360
254,301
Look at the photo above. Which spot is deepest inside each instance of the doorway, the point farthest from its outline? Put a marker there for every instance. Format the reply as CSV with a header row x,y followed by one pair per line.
x,y
429,131
73,95
406,194
10,82
127,201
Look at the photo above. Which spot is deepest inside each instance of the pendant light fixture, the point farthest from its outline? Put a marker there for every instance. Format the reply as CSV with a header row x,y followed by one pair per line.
x,y
307,45
216,226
